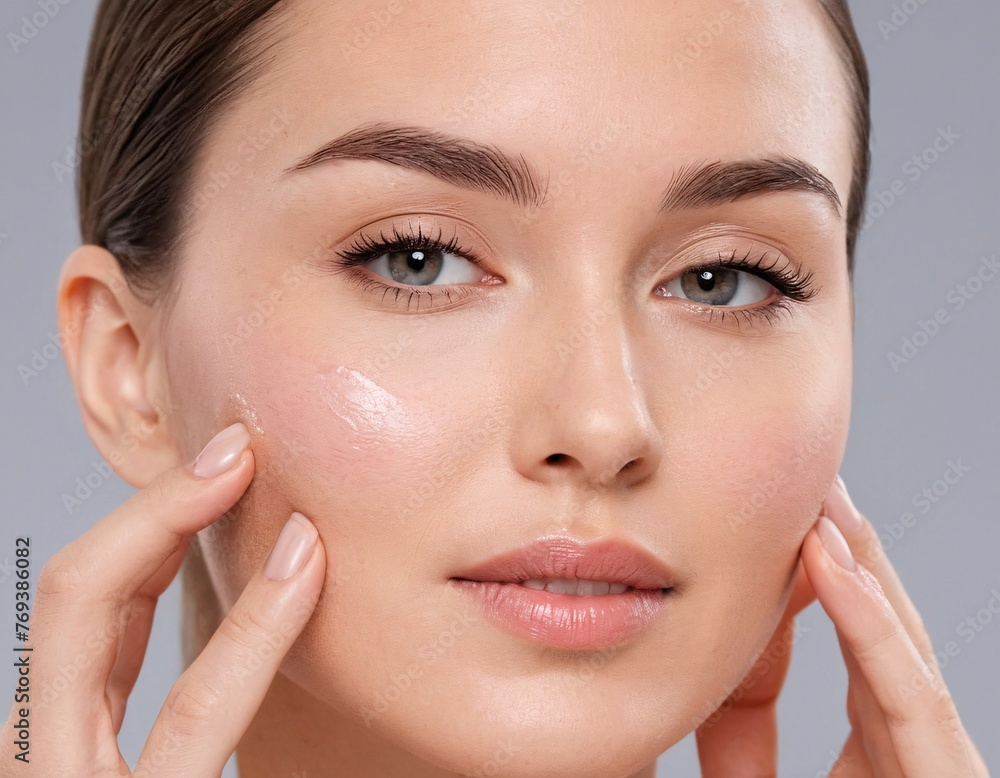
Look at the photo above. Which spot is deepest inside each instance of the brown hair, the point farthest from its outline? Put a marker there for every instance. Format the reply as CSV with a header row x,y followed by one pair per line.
x,y
158,73
855,70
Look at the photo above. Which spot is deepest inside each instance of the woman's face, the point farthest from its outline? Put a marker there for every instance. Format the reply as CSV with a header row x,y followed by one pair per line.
x,y
583,381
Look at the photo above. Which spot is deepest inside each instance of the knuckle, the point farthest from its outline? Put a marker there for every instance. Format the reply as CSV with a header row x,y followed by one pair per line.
x,y
897,715
245,627
160,491
872,647
189,708
157,491
63,583
62,575
921,696
942,704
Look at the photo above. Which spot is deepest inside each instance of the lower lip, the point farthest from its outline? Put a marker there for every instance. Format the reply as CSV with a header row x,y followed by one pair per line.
x,y
566,621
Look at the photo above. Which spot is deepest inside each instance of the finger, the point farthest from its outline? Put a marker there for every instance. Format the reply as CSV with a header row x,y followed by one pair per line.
x,y
923,724
83,590
867,720
742,734
139,622
212,704
867,548
802,592
875,730
853,760
130,656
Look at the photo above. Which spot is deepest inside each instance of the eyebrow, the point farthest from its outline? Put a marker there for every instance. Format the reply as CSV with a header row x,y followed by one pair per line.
x,y
460,161
696,185
477,166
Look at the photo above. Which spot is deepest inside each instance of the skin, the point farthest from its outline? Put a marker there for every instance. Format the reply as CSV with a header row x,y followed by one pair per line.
x,y
483,364
485,391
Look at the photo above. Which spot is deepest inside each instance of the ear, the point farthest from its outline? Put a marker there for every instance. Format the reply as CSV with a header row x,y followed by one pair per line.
x,y
114,357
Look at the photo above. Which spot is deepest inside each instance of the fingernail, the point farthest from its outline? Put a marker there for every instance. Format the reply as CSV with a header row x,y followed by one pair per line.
x,y
840,508
222,452
292,548
835,544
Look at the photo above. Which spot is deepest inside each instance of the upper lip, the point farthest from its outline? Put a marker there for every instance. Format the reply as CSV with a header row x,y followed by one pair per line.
x,y
608,559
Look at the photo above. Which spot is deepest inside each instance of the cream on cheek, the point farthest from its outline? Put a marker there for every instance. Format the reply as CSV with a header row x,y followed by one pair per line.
x,y
326,441
342,446
247,413
374,416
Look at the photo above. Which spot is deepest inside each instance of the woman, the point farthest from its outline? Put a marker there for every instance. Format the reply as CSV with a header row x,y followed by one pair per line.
x,y
513,322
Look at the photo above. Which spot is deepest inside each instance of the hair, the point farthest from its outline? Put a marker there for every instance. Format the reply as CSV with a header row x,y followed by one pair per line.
x,y
159,73
855,69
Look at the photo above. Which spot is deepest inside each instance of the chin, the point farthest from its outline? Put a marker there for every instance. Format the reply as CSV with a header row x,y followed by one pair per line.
x,y
488,703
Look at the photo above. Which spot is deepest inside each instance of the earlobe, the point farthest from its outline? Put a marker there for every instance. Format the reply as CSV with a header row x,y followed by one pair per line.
x,y
111,354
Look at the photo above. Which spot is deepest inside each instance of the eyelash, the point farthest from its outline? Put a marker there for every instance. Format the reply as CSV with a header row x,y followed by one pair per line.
x,y
364,250
792,284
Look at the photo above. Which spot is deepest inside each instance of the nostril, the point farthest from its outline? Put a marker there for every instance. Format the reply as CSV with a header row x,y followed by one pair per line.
x,y
555,459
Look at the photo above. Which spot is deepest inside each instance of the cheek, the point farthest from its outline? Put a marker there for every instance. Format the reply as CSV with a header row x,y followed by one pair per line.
x,y
356,457
770,487
782,475
761,446
353,447
756,502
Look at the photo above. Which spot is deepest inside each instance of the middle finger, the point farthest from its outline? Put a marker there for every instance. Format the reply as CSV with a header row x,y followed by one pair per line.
x,y
867,549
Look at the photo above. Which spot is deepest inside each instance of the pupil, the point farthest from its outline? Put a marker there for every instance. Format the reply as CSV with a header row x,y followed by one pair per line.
x,y
706,280
416,260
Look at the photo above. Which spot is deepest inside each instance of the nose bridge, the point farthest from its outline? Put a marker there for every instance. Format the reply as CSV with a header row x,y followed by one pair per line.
x,y
586,409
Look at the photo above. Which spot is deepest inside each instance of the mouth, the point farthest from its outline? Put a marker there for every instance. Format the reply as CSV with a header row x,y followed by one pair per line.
x,y
567,594
576,586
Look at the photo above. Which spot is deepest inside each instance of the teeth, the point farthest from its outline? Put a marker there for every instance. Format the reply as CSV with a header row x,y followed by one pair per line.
x,y
574,586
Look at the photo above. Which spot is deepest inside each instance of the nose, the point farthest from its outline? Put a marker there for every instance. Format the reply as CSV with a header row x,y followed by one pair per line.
x,y
584,416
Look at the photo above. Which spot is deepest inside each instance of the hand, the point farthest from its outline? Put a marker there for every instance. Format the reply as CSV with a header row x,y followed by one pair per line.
x,y
94,609
903,720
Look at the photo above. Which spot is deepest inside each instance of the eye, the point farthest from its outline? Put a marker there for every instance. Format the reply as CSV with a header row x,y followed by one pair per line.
x,y
413,259
741,287
718,285
422,267
734,281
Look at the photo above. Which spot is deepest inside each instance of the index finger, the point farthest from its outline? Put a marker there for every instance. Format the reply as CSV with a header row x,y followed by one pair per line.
x,y
84,586
866,547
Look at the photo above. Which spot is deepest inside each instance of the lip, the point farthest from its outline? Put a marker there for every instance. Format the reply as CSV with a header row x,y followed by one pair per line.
x,y
565,620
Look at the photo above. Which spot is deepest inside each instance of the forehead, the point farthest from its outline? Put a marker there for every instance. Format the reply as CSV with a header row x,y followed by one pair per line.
x,y
641,87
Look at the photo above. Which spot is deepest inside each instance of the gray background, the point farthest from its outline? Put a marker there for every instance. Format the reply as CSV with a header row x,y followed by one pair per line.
x,y
937,71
